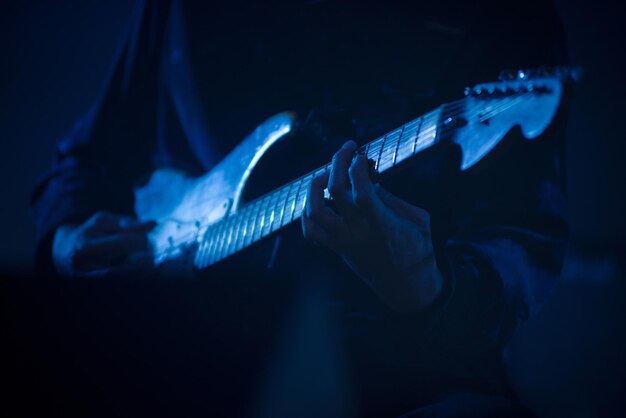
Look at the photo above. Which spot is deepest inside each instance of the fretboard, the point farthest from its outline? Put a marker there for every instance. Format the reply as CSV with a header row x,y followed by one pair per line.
x,y
284,205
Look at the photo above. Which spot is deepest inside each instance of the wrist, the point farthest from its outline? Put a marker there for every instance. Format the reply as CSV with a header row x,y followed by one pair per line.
x,y
424,283
60,245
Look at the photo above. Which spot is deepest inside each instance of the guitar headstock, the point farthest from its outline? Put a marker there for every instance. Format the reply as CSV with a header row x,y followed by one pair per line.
x,y
525,98
567,74
511,83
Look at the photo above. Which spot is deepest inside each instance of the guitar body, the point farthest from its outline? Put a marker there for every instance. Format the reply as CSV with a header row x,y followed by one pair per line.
x,y
200,220
184,206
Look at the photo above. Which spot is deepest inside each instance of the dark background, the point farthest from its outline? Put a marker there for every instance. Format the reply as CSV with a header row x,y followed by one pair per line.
x,y
56,55
68,344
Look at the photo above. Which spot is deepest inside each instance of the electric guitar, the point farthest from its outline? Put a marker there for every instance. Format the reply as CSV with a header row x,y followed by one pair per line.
x,y
201,220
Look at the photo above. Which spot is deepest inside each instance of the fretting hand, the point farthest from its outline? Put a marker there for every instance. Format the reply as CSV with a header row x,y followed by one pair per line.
x,y
385,240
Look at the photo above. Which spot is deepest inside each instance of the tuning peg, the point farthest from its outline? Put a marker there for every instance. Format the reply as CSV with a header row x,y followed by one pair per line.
x,y
501,91
575,73
507,75
569,73
477,91
467,91
545,71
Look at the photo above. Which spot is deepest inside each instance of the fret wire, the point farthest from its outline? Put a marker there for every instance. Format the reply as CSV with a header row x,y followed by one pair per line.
x,y
232,237
435,124
277,207
252,225
439,126
262,211
417,134
275,213
208,240
366,151
230,224
403,152
435,114
302,192
269,215
380,153
258,220
266,218
218,241
238,228
386,161
209,245
213,256
395,153
372,149
228,237
214,241
200,252
289,206
295,200
287,210
223,235
284,206
243,230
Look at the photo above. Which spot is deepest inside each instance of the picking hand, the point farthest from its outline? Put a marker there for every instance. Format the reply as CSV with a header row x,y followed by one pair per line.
x,y
104,245
385,240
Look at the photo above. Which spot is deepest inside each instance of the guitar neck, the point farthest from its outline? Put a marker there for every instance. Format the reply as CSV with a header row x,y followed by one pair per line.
x,y
284,205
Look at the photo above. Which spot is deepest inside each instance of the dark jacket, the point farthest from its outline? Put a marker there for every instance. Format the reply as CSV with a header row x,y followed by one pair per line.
x,y
352,71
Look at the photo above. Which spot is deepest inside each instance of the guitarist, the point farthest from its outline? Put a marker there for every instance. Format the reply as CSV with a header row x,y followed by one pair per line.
x,y
452,262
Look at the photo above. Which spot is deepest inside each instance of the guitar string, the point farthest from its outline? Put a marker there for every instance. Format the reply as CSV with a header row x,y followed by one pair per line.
x,y
274,194
449,108
185,239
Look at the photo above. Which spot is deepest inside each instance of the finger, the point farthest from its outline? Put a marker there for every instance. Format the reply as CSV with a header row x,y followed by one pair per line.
x,y
363,192
110,247
315,195
106,223
339,180
317,210
133,225
139,267
103,220
404,209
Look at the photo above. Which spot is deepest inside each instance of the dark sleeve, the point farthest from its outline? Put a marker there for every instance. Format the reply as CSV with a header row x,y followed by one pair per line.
x,y
108,149
500,237
495,279
499,229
